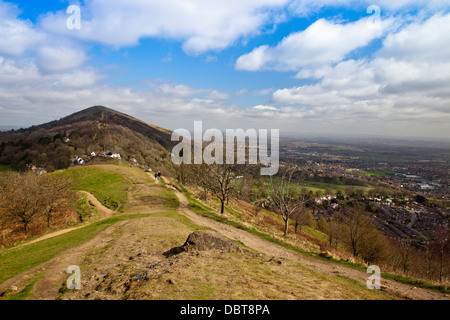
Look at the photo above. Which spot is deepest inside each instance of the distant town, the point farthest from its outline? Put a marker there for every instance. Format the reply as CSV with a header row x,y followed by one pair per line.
x,y
395,192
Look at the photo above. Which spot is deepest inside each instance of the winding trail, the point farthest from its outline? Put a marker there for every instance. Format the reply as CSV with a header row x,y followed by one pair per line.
x,y
390,287
105,213
48,286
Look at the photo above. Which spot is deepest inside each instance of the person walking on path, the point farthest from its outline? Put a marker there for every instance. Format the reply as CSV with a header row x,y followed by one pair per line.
x,y
159,175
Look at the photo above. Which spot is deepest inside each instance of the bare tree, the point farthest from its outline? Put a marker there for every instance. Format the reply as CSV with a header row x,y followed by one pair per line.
x,y
441,249
361,235
217,178
333,230
406,252
21,198
283,194
56,192
302,216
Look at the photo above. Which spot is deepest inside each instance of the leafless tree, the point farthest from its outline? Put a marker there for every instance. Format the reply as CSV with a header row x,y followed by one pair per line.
x,y
283,194
441,250
21,198
57,192
217,179
361,235
406,254
333,230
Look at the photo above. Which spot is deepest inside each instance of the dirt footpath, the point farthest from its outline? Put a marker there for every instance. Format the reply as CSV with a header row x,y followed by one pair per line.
x,y
390,287
105,213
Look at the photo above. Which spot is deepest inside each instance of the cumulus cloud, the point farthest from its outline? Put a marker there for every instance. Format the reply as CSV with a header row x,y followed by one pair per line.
x,y
402,89
16,36
265,108
324,42
402,84
306,7
58,59
201,25
218,95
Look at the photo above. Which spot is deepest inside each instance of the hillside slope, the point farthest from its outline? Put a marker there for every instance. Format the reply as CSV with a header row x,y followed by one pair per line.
x,y
114,252
125,257
97,129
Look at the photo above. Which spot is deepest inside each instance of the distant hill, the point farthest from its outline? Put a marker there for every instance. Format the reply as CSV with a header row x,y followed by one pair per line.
x,y
97,129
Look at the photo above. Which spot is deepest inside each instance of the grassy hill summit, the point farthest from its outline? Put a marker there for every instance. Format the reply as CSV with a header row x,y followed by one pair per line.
x,y
134,242
95,130
129,254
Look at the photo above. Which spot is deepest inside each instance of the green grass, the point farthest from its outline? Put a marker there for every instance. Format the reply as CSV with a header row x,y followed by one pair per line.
x,y
322,186
87,211
5,168
417,282
107,183
23,295
379,173
201,209
14,261
316,234
168,198
319,186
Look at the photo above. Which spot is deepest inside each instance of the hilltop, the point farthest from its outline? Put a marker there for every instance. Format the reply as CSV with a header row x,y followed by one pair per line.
x,y
97,129
125,256
144,250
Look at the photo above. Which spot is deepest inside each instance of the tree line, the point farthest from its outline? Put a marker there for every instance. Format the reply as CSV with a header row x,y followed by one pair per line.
x,y
30,203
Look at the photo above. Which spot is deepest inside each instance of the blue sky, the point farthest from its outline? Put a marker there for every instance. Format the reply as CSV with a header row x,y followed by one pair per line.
x,y
300,66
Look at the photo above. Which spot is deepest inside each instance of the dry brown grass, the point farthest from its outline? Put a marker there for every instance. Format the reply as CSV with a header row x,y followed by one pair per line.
x,y
199,275
269,223
11,232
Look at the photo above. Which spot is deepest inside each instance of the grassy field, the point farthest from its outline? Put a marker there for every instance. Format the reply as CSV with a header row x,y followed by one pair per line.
x,y
4,168
152,226
16,260
86,210
379,173
108,183
321,187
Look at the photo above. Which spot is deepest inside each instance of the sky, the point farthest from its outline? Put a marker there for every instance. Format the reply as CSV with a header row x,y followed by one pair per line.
x,y
328,67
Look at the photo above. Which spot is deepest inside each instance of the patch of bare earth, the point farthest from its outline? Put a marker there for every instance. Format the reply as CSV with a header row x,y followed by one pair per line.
x,y
390,287
138,265
130,260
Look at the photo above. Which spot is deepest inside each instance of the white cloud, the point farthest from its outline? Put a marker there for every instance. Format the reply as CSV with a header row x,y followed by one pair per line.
x,y
217,95
403,89
59,59
202,25
16,36
322,43
175,90
265,108
306,7
418,41
264,92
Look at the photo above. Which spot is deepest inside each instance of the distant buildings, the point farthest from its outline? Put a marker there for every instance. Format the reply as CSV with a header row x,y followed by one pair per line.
x,y
37,170
112,155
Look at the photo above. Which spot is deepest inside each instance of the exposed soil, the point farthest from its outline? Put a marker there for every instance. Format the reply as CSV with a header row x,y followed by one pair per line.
x,y
112,273
392,288
105,213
